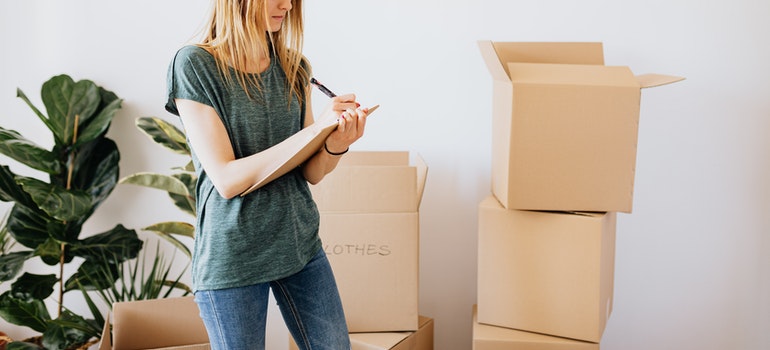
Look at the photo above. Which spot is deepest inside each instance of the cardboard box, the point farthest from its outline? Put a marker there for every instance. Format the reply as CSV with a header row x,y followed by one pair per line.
x,y
169,323
370,231
546,272
487,337
373,182
564,129
422,339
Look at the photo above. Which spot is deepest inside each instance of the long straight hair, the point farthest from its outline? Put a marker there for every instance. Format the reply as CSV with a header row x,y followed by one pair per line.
x,y
238,32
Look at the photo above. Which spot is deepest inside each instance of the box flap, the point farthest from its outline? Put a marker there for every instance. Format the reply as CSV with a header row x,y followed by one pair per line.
x,y
495,66
591,53
157,323
377,341
106,342
653,80
422,176
551,52
572,74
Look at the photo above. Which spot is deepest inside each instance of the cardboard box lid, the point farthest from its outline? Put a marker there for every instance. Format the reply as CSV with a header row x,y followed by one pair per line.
x,y
373,181
497,54
157,323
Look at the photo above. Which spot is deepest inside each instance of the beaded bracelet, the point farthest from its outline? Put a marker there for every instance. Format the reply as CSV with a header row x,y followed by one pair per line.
x,y
333,153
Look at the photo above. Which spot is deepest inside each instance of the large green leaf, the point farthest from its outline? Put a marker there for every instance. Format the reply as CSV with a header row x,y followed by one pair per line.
x,y
30,313
32,286
93,275
116,245
96,170
10,191
173,227
167,230
28,226
185,202
162,182
56,201
11,264
49,251
18,345
98,125
65,101
20,94
164,133
67,331
13,145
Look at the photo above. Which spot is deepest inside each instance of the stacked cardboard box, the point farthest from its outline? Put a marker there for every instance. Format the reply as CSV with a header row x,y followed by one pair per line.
x,y
563,161
370,226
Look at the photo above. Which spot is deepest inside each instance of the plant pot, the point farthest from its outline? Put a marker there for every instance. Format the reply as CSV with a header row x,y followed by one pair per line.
x,y
4,339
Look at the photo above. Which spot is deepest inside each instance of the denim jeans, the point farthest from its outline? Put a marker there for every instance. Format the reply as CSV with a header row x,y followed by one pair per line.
x,y
235,318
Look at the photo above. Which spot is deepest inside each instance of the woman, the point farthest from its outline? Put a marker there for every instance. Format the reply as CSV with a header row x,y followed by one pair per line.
x,y
242,90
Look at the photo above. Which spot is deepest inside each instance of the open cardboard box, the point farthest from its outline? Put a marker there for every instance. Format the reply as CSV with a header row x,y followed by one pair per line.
x,y
546,272
370,232
564,129
168,324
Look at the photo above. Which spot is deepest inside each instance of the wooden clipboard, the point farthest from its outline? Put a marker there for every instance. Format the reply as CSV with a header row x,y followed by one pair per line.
x,y
296,149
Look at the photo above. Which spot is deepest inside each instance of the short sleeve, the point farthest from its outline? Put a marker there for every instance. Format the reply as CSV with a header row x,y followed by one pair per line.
x,y
191,76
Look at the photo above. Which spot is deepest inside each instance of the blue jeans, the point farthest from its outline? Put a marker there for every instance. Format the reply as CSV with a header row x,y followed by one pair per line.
x,y
235,318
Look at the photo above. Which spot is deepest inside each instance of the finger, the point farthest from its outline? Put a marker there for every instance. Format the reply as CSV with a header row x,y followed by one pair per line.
x,y
361,124
354,116
345,98
342,122
344,106
345,102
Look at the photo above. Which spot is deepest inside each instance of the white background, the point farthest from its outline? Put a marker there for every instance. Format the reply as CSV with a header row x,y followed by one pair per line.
x,y
693,259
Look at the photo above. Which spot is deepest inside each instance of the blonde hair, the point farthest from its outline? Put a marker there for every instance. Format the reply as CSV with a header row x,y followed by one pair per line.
x,y
234,35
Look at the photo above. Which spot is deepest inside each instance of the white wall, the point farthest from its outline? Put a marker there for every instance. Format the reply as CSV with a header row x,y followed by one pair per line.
x,y
693,259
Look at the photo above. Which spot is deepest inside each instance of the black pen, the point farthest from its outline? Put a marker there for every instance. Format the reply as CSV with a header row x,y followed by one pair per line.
x,y
323,88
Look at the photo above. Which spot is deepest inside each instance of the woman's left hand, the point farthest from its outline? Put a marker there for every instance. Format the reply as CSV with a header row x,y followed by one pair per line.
x,y
350,127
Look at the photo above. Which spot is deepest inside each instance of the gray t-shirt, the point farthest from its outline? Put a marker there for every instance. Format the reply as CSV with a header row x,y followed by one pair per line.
x,y
272,232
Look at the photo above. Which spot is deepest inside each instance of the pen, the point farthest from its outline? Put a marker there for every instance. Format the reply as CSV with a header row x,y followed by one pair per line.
x,y
321,87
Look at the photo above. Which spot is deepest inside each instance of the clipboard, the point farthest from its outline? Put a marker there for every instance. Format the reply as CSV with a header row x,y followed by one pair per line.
x,y
300,147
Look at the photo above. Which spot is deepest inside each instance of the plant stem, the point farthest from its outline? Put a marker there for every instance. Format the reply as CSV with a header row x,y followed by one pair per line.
x,y
70,168
61,279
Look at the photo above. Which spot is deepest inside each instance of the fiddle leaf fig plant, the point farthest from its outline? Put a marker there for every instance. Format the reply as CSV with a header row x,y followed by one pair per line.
x,y
76,175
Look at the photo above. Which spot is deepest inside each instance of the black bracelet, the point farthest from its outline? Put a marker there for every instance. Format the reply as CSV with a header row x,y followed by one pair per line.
x,y
335,154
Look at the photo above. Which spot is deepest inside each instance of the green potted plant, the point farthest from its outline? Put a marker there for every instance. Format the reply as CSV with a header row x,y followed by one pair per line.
x,y
47,217
180,185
